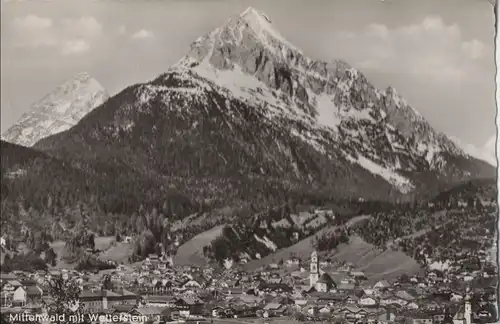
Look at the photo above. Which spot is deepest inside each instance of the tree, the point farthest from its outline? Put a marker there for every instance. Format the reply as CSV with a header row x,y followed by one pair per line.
x,y
404,278
106,283
51,257
4,319
64,301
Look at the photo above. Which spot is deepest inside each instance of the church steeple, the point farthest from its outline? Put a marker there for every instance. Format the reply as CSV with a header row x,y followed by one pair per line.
x,y
314,269
467,307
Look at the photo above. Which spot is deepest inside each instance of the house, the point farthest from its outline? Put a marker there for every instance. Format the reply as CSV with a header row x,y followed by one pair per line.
x,y
154,314
358,275
191,283
381,285
390,299
346,287
160,301
293,261
34,294
274,310
421,319
325,309
352,299
352,312
11,285
189,306
270,287
325,283
404,295
367,301
19,296
386,317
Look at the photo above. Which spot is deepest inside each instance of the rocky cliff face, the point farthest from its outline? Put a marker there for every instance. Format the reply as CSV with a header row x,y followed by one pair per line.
x,y
58,111
378,129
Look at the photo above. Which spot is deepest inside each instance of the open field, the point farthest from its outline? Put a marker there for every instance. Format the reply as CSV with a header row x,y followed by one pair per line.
x,y
118,252
191,252
301,249
365,257
376,264
101,243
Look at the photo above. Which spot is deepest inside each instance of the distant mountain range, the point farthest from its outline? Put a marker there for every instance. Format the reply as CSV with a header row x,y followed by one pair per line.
x,y
486,153
58,111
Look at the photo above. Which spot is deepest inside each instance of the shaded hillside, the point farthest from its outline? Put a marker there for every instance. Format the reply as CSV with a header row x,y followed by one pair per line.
x,y
48,195
483,189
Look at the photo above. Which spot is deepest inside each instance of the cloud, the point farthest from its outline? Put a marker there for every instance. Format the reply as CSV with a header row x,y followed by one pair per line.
x,y
75,46
70,36
33,22
430,49
122,29
87,27
142,34
474,49
33,31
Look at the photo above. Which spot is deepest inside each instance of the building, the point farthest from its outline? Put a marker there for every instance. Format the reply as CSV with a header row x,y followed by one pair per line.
x,y
325,283
97,301
314,269
464,314
19,296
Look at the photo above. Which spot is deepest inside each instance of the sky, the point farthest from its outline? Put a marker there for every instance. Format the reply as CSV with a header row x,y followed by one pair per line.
x,y
439,55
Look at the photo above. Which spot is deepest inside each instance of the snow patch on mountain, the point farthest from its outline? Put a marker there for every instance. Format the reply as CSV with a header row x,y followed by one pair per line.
x,y
240,84
267,242
326,112
403,184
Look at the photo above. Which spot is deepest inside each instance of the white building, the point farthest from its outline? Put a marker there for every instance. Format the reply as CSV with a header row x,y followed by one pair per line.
x,y
314,269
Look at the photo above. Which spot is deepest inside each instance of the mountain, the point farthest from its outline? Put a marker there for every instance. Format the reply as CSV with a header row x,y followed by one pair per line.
x,y
57,111
244,102
486,153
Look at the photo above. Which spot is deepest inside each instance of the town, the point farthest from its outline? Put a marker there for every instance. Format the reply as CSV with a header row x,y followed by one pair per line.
x,y
293,290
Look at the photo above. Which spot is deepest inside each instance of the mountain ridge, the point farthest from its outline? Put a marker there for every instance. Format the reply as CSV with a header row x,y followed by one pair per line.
x,y
245,73
485,153
57,111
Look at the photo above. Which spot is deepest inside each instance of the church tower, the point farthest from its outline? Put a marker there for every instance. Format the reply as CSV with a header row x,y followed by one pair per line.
x,y
467,308
314,272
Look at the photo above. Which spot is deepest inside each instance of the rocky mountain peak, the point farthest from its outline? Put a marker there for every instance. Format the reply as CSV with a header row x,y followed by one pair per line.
x,y
57,111
250,14
248,56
